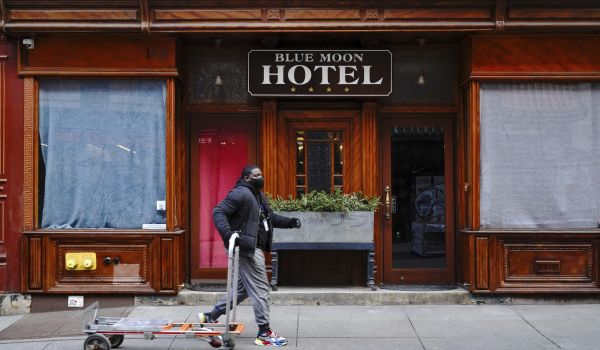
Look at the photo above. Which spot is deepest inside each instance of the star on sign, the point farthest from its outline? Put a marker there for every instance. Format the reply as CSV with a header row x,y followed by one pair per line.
x,y
310,89
347,89
293,89
328,89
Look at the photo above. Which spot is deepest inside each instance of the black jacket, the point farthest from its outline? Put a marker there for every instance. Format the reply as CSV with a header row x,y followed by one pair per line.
x,y
240,211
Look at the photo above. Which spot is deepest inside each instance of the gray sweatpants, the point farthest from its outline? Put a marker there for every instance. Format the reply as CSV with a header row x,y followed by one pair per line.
x,y
252,284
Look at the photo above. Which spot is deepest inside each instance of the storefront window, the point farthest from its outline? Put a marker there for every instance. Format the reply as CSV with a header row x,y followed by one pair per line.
x,y
102,153
540,155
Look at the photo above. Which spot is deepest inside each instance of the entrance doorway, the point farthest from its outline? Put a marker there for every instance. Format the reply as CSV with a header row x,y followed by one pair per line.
x,y
418,218
220,147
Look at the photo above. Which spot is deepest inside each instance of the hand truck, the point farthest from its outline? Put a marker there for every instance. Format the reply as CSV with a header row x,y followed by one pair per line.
x,y
105,333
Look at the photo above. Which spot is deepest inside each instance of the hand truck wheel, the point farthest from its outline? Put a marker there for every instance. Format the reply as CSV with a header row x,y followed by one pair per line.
x,y
96,342
215,342
116,340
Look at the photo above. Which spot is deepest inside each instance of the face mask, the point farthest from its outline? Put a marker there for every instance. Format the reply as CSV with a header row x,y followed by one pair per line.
x,y
257,183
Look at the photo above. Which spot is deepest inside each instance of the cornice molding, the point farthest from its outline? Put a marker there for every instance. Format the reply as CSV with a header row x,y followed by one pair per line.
x,y
240,16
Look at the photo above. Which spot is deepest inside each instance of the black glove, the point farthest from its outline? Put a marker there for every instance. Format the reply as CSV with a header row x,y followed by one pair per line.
x,y
295,223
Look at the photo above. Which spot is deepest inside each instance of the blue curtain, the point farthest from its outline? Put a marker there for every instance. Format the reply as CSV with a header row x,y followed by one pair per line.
x,y
102,143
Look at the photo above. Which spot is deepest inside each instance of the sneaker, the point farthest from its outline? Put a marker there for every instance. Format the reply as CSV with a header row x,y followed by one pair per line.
x,y
269,338
205,318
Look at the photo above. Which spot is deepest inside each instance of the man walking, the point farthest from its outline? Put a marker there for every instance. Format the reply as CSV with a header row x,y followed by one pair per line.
x,y
246,210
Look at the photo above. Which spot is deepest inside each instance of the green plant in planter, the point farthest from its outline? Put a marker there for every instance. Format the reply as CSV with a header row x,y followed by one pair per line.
x,y
322,201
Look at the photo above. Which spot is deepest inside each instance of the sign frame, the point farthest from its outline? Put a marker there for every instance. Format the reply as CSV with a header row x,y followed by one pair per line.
x,y
321,95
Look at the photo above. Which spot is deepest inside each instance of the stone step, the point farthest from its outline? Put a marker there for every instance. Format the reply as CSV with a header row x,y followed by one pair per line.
x,y
328,296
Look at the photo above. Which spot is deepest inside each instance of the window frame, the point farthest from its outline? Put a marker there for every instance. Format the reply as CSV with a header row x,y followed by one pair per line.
x,y
174,177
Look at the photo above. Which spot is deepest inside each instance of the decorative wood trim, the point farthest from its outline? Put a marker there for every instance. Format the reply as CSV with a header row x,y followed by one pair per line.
x,y
514,258
369,178
370,150
3,223
100,57
171,155
474,152
30,141
553,14
158,253
322,14
482,269
500,15
180,16
216,109
2,16
168,265
72,15
2,123
208,15
268,145
100,249
547,247
437,13
418,109
541,57
35,262
305,26
145,16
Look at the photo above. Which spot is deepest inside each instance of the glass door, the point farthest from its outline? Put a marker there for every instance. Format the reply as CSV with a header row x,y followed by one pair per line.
x,y
418,215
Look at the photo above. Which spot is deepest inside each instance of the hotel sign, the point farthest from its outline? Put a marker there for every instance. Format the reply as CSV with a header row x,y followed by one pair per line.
x,y
322,73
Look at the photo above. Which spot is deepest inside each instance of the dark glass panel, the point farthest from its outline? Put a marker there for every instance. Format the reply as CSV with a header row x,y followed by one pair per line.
x,y
319,166
418,199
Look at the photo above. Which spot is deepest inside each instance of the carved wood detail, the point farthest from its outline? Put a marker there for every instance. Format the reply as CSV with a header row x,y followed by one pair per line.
x,y
30,170
581,252
147,262
372,15
131,255
534,261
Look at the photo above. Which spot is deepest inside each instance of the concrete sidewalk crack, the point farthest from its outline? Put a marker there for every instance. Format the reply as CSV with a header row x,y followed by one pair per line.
x,y
537,330
415,330
297,327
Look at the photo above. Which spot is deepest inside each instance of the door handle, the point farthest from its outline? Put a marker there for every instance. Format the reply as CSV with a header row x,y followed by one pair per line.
x,y
388,202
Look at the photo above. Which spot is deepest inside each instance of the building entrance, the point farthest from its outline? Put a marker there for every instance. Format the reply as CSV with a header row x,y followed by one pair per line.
x,y
418,228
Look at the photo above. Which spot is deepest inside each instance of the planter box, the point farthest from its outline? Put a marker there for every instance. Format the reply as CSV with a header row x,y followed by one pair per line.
x,y
327,231
328,227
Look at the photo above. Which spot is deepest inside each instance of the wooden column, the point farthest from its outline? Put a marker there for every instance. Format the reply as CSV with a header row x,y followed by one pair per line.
x,y
473,156
369,151
370,179
268,148
11,166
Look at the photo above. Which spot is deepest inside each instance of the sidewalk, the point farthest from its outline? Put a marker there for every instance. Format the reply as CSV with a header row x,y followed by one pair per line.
x,y
407,327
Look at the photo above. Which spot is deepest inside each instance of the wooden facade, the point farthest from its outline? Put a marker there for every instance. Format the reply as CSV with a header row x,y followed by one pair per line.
x,y
501,40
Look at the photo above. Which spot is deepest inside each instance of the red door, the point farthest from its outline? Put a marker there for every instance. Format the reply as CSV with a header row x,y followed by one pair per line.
x,y
220,148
